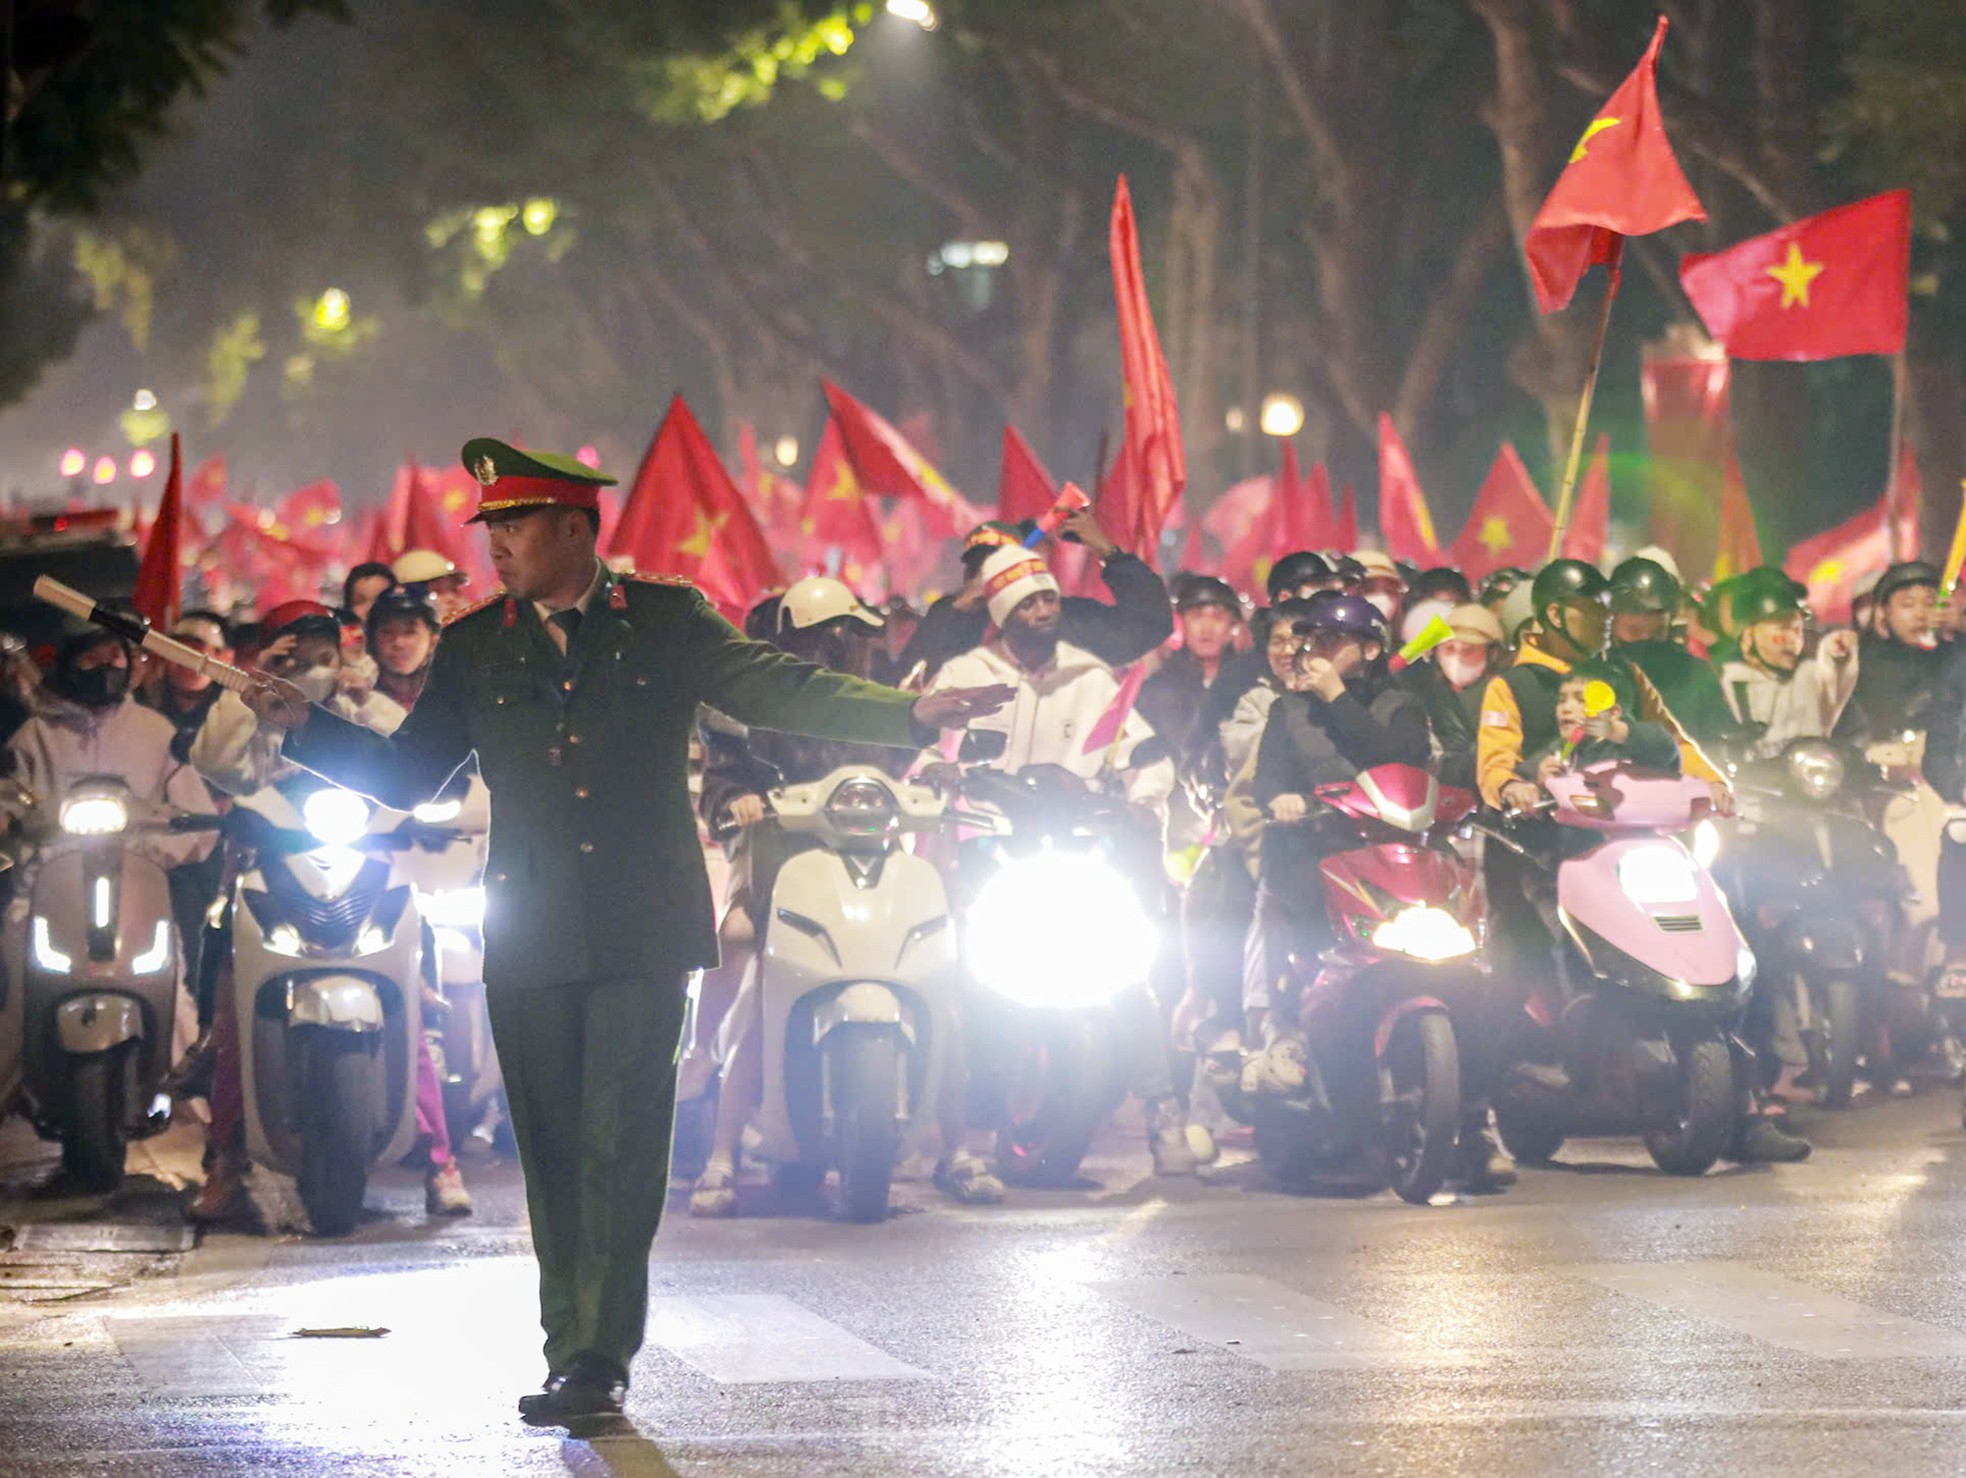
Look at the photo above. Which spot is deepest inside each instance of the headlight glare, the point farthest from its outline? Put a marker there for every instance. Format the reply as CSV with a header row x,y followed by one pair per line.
x,y
1658,873
1706,844
1816,768
1425,933
93,815
335,817
455,908
1060,930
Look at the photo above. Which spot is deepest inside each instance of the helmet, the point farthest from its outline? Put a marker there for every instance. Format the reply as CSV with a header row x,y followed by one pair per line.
x,y
1345,568
413,603
1475,623
1335,610
818,599
1440,583
1206,590
1563,580
1905,576
1498,583
1299,567
1518,608
1376,564
299,618
1642,586
1662,558
1764,594
421,566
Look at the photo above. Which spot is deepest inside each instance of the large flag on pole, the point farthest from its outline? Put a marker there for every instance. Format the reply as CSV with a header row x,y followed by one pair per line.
x,y
1740,542
1406,524
1835,561
886,463
1024,488
1510,524
684,516
1152,466
837,513
1590,521
1622,180
160,575
1834,284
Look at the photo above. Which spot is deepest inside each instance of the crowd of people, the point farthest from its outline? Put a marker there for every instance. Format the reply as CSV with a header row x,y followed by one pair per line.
x,y
1225,720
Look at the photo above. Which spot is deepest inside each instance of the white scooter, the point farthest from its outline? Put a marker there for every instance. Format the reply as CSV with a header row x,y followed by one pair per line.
x,y
859,982
327,961
89,995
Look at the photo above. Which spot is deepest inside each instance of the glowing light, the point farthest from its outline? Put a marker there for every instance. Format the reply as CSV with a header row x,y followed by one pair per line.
x,y
961,254
73,462
144,401
331,311
785,450
105,469
918,11
99,915
538,216
142,464
1236,420
588,456
153,960
46,956
335,816
1283,415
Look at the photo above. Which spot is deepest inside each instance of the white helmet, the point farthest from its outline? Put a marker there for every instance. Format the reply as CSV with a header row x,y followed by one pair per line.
x,y
421,566
818,599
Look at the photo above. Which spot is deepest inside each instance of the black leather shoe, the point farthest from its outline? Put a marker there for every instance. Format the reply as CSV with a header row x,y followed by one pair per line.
x,y
541,1401
591,1388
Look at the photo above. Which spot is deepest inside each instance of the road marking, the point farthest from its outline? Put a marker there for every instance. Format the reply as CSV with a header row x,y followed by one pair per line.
x,y
742,1339
1776,1310
1275,1326
189,1357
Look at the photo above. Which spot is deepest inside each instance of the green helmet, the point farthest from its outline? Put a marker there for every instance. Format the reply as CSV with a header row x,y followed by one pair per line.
x,y
1766,594
1566,580
1643,586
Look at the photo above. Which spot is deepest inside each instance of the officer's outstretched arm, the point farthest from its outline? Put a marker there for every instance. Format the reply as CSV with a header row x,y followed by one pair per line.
x,y
410,766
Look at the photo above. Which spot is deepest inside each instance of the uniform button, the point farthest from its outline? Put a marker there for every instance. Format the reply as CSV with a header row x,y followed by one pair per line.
x,y
573,738
580,792
567,687
498,877
586,846
500,700
641,682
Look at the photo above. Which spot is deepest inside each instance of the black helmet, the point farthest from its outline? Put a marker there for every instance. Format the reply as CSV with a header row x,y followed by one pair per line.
x,y
1766,594
1564,580
1497,585
1335,610
1345,568
1299,567
1197,591
1443,582
415,603
1642,586
1905,576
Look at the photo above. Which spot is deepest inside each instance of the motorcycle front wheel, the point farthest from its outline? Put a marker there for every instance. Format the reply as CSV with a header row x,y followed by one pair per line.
x,y
95,1130
1706,1111
1421,1080
1053,1104
865,1073
339,1094
1840,1018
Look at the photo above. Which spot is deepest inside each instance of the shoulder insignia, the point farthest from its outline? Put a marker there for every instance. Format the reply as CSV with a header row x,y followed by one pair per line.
x,y
476,606
642,579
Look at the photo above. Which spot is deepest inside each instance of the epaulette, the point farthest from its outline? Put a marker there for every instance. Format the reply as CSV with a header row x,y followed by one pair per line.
x,y
475,607
640,578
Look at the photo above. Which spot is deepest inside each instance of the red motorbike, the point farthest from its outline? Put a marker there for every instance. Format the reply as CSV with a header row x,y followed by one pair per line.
x,y
1360,1078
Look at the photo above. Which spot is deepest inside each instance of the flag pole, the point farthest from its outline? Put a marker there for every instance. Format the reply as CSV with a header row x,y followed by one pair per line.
x,y
1613,269
1900,375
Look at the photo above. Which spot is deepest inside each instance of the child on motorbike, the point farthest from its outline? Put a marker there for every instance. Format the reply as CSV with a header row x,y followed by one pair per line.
x,y
1591,728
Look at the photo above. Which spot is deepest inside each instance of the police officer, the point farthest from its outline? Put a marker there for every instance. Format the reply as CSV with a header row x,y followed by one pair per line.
x,y
577,691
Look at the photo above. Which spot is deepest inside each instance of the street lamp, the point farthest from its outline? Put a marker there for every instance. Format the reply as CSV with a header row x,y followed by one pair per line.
x,y
785,450
1283,415
142,463
918,11
73,462
105,469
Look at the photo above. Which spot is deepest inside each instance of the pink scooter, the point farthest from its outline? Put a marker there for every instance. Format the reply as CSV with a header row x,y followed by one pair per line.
x,y
1631,1030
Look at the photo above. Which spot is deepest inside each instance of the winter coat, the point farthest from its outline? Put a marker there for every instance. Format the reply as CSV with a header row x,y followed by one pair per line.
x,y
1804,704
1310,742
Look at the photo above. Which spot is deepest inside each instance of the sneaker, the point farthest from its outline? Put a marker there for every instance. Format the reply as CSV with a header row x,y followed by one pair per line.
x,y
715,1192
223,1195
1167,1139
1277,1068
967,1181
1483,1164
444,1193
1201,1144
1761,1140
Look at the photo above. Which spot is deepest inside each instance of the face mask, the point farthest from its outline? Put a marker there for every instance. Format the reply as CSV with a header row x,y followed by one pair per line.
x,y
1386,601
1461,669
98,687
317,684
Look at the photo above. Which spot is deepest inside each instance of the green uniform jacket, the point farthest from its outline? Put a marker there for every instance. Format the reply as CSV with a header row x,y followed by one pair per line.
x,y
595,871
1690,686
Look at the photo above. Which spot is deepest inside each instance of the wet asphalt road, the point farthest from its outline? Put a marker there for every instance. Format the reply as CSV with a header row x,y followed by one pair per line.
x,y
1598,1319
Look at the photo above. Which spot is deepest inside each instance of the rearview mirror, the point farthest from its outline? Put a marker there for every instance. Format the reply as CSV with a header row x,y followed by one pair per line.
x,y
982,745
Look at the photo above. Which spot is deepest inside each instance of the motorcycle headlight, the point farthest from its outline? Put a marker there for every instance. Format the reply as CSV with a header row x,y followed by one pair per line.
x,y
861,808
158,956
436,813
1425,933
46,956
1706,844
87,815
1659,873
1816,768
334,816
455,908
1061,930
283,939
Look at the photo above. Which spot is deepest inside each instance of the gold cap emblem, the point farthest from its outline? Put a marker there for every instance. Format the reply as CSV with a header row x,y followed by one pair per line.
x,y
485,470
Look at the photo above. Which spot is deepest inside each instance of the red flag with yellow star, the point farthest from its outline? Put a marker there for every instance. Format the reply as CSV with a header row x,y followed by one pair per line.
x,y
1740,541
1833,284
1152,466
837,513
1345,536
1406,524
160,575
1510,524
1622,180
1836,560
1024,488
886,463
684,516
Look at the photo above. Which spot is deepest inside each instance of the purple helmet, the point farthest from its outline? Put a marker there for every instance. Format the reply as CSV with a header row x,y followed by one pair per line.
x,y
1336,610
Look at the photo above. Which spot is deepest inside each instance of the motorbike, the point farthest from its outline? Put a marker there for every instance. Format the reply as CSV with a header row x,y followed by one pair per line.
x,y
1056,935
858,981
328,961
1631,1028
93,961
1817,889
1377,1008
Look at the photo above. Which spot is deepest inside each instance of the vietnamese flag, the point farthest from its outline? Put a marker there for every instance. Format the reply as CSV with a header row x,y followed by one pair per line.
x,y
160,576
206,485
1406,524
308,512
434,512
1740,541
1024,488
1834,562
684,516
1152,467
884,462
1345,535
1622,180
1510,524
837,513
1834,284
1590,519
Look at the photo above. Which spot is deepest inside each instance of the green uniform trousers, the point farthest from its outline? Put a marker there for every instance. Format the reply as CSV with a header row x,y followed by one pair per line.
x,y
590,1073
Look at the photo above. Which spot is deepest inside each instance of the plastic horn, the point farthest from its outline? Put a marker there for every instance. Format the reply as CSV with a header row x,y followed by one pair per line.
x,y
1599,699
1071,498
135,629
1431,635
1957,556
